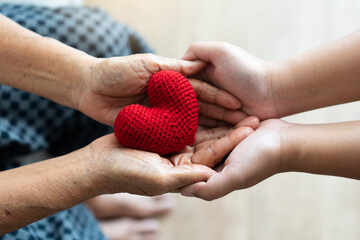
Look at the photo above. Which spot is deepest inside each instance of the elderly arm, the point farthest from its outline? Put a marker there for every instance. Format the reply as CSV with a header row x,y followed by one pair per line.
x,y
99,88
35,191
41,65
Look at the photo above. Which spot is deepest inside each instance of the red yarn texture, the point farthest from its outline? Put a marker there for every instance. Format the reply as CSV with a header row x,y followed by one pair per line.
x,y
171,122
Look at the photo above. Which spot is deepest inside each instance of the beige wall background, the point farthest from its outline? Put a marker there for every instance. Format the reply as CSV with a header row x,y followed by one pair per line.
x,y
286,206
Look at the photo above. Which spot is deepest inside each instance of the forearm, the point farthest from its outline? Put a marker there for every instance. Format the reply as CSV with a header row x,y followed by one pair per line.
x,y
41,65
330,149
325,76
35,191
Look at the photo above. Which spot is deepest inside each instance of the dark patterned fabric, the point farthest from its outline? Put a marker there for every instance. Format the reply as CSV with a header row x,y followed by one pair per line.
x,y
74,223
29,123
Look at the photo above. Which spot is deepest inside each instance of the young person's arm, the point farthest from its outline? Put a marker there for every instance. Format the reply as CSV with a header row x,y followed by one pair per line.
x,y
325,76
276,147
322,77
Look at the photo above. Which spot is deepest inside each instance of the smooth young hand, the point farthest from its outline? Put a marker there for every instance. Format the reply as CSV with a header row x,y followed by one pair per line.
x,y
238,72
325,76
277,146
256,158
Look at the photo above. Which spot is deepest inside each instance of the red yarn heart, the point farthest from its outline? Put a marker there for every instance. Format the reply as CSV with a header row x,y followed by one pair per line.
x,y
171,122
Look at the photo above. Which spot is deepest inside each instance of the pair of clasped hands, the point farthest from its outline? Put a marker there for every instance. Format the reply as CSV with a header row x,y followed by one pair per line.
x,y
232,150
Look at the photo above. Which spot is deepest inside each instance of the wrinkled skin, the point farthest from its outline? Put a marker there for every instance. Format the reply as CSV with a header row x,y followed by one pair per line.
x,y
121,81
145,173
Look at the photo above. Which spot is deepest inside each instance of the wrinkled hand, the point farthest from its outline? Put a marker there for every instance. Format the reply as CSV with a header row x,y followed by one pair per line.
x,y
127,170
121,81
231,68
254,159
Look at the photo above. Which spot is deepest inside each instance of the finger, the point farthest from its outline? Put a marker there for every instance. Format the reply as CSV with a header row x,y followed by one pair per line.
x,y
183,157
205,51
210,153
209,134
220,113
217,185
210,122
206,122
207,74
183,175
153,63
156,63
251,121
210,94
189,68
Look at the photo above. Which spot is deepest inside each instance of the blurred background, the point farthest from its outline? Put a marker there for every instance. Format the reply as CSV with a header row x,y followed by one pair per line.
x,y
287,206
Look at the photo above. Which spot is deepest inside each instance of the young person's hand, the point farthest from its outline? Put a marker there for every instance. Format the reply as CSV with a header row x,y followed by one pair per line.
x,y
325,76
254,159
238,72
277,146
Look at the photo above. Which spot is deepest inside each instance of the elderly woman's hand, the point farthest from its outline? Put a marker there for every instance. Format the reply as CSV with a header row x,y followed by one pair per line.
x,y
117,82
119,169
99,88
106,167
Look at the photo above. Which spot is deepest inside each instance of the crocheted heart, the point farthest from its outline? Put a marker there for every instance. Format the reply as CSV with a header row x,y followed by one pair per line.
x,y
171,122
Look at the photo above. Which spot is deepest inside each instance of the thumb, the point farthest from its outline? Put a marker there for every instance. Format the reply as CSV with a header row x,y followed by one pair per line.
x,y
217,186
154,63
205,51
187,174
190,68
216,150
